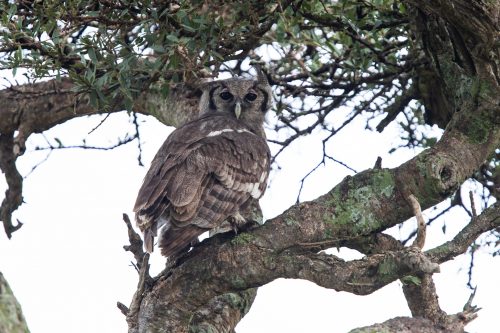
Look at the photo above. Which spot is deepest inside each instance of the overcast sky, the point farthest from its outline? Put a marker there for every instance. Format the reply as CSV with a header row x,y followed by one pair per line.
x,y
68,269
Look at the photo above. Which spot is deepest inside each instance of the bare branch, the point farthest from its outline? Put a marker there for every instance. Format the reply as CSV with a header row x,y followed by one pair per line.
x,y
419,242
236,266
472,204
489,219
13,195
34,108
136,244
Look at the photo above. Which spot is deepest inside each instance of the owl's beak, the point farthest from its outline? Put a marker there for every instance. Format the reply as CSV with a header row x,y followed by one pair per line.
x,y
237,110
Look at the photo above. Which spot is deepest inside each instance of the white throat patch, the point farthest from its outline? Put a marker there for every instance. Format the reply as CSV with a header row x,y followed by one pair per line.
x,y
219,132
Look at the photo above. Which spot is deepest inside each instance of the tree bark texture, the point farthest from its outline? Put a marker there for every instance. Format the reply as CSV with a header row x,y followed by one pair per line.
x,y
213,286
11,315
371,201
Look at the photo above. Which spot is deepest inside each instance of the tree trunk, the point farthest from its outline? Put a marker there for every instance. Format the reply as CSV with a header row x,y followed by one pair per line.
x,y
11,316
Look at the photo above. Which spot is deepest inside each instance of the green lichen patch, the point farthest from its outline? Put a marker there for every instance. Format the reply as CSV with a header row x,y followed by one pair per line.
x,y
291,222
384,182
356,199
387,267
428,168
411,280
478,129
233,299
11,317
243,238
239,283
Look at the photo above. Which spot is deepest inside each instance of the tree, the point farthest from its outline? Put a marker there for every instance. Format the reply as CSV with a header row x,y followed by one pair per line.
x,y
432,62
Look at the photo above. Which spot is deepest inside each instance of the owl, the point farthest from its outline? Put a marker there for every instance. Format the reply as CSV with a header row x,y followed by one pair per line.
x,y
208,169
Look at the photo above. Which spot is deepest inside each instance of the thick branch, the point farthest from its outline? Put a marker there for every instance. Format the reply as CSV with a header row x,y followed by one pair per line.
x,y
220,315
223,313
411,325
34,108
236,265
359,206
423,300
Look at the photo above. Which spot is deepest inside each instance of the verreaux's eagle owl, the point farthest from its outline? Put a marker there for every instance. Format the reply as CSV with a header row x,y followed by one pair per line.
x,y
209,168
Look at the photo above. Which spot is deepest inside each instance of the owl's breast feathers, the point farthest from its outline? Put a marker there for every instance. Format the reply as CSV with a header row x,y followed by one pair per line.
x,y
201,175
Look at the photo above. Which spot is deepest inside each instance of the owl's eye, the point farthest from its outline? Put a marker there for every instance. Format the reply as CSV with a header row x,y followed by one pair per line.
x,y
226,95
250,97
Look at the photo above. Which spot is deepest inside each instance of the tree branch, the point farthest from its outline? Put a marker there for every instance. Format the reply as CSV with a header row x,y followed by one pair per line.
x,y
357,207
479,19
489,219
216,268
34,108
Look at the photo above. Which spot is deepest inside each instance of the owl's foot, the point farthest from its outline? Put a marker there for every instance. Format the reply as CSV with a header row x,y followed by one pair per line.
x,y
237,222
234,223
240,224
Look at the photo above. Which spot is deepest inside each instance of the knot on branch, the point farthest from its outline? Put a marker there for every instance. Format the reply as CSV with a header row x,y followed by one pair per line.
x,y
418,262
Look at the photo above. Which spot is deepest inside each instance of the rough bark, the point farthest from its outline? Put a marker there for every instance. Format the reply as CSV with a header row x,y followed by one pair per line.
x,y
408,325
213,286
366,203
11,316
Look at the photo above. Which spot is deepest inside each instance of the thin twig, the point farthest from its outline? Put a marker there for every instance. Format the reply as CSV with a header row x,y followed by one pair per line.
x,y
473,248
472,204
38,164
121,142
123,308
136,244
429,222
100,123
136,125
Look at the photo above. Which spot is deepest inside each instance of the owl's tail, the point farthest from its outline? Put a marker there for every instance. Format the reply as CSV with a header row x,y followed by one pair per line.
x,y
175,240
149,237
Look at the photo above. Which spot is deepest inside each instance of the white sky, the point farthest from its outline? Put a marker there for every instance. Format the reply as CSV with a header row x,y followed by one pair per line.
x,y
68,269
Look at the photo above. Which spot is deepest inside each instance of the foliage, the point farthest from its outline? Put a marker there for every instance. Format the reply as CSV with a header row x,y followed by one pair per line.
x,y
343,53
327,60
118,49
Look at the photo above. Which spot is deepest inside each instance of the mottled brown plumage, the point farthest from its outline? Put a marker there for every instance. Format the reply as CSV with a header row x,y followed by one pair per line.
x,y
208,168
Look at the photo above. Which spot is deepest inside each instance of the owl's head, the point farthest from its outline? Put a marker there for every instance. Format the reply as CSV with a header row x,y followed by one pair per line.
x,y
246,99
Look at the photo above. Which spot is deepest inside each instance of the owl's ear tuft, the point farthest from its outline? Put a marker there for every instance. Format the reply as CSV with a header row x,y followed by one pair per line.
x,y
206,99
264,86
261,76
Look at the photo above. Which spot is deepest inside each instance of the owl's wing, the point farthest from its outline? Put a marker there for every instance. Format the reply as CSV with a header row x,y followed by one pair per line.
x,y
201,175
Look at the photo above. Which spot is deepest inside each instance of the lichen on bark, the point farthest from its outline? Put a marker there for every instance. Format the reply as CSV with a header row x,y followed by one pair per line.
x,y
11,316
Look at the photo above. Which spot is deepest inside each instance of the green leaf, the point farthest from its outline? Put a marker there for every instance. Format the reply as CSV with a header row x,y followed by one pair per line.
x,y
410,279
60,144
188,28
92,55
56,35
173,38
12,11
18,55
93,99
